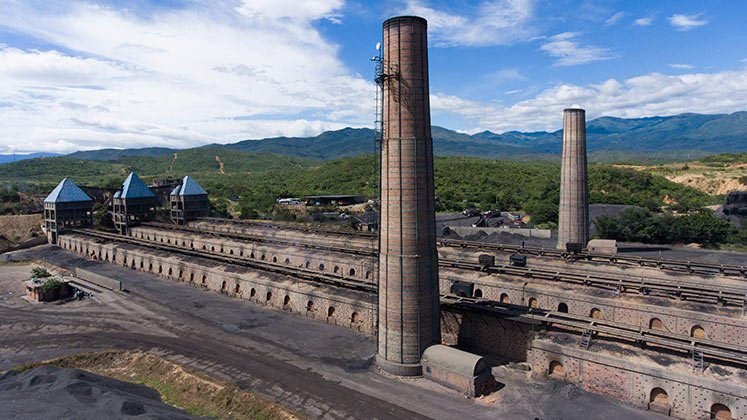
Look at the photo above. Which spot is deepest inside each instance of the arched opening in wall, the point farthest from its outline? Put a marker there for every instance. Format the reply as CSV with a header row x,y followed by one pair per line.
x,y
268,297
331,311
181,274
141,264
161,240
533,303
286,300
204,279
160,269
170,271
287,261
168,241
562,307
351,272
212,249
720,412
252,293
321,267
368,275
262,257
237,289
655,324
184,243
230,252
251,255
595,313
223,285
308,264
192,245
241,253
204,248
192,277
274,259
150,267
697,332
556,369
354,318
309,306
505,298
132,264
124,262
659,397
477,293
336,269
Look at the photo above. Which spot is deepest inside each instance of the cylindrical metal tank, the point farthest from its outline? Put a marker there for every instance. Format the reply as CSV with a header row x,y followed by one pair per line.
x,y
573,215
408,263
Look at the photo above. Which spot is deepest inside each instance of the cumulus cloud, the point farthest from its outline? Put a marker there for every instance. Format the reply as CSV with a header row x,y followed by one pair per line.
x,y
641,96
644,21
492,22
569,52
173,77
686,22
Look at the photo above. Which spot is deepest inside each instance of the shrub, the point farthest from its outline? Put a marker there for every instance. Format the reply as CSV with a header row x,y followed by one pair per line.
x,y
40,272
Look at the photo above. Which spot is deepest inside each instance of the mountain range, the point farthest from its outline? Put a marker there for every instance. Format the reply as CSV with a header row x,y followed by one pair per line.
x,y
683,136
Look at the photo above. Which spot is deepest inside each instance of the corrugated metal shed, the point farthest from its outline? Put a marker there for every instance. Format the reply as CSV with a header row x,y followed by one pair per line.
x,y
67,192
134,187
191,187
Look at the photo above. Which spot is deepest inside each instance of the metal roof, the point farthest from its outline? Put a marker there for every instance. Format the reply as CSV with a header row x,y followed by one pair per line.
x,y
191,187
118,194
455,360
175,191
134,187
67,192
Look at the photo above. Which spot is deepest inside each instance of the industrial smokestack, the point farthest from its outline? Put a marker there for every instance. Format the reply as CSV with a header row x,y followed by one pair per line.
x,y
573,217
409,319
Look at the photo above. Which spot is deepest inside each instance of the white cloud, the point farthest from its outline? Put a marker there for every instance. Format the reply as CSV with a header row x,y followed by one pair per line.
x,y
492,22
614,19
644,21
686,22
642,96
682,66
512,92
568,52
178,78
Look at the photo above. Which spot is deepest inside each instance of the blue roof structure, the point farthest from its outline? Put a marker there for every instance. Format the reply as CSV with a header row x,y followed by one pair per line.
x,y
67,192
134,187
191,187
118,194
175,191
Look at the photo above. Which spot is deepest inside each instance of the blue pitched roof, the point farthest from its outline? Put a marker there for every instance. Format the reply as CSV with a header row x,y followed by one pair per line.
x,y
191,187
134,187
118,194
175,191
67,192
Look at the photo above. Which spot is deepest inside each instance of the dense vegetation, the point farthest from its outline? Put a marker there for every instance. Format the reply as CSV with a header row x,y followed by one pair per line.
x,y
641,225
248,184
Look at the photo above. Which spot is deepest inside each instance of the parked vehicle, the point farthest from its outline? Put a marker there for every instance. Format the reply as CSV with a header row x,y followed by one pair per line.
x,y
474,211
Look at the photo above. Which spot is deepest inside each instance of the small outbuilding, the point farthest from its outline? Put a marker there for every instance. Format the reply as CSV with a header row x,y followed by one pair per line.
x,y
602,246
465,372
333,200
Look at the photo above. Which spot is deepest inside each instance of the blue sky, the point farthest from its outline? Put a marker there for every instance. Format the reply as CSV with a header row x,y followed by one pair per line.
x,y
81,75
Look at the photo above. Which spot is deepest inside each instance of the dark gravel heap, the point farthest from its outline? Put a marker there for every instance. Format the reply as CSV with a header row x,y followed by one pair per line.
x,y
48,392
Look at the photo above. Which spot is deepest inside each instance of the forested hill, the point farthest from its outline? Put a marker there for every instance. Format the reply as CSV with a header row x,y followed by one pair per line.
x,y
680,137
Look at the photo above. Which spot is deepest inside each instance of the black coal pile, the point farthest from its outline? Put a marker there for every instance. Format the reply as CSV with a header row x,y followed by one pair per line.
x,y
48,392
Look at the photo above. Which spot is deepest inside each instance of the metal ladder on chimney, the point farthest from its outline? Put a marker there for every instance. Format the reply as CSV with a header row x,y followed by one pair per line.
x,y
585,340
698,362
